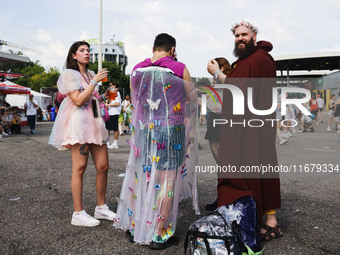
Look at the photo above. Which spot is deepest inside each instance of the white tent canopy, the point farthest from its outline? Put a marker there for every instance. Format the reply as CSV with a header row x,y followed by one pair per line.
x,y
19,100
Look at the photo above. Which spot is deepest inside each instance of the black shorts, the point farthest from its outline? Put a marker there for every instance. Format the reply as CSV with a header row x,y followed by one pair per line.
x,y
321,109
112,123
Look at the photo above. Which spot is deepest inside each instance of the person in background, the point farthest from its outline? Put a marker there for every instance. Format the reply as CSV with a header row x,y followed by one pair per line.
x,y
126,103
58,100
4,123
321,104
31,107
114,109
213,133
314,108
49,107
15,124
331,112
39,115
79,126
128,119
278,122
337,113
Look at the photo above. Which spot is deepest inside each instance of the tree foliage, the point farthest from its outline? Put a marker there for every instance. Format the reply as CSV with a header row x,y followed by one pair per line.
x,y
36,76
116,75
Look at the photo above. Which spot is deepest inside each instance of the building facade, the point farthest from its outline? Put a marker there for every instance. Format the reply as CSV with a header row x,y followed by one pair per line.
x,y
112,52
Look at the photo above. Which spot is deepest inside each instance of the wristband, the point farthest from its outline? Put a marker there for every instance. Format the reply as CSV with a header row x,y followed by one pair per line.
x,y
217,74
93,83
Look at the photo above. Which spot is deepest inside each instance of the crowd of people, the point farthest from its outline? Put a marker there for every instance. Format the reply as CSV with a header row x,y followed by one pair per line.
x,y
9,125
161,117
12,124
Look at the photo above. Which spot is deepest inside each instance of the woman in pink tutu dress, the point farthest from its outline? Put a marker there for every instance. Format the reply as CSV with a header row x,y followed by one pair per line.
x,y
80,127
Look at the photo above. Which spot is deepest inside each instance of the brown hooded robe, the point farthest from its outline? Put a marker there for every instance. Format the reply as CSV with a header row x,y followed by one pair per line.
x,y
250,146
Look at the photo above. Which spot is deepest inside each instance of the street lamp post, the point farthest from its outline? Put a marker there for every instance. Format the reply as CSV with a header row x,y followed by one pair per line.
x,y
100,56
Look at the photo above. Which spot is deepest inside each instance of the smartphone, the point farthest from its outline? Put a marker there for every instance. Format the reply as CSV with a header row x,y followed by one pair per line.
x,y
94,108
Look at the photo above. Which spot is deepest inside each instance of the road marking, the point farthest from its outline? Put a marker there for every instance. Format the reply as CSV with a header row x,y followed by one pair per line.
x,y
312,149
317,136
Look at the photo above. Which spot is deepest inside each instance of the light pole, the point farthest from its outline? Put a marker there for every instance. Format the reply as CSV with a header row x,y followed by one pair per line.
x,y
100,56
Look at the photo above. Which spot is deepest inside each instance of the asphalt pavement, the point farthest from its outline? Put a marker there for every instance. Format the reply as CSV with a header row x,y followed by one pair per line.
x,y
36,200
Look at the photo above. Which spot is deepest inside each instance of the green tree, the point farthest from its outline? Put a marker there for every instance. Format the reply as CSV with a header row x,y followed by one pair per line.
x,y
35,75
116,74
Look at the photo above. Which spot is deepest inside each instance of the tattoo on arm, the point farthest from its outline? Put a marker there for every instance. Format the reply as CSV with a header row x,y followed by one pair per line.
x,y
84,149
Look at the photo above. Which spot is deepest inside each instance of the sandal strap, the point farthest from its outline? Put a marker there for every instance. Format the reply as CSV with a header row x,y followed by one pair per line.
x,y
276,230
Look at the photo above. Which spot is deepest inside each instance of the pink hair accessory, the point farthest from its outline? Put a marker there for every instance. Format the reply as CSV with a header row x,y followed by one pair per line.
x,y
245,24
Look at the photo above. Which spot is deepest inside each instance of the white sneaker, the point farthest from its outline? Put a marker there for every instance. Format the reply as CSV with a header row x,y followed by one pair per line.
x,y
283,141
4,133
104,213
108,144
289,134
83,219
113,146
329,128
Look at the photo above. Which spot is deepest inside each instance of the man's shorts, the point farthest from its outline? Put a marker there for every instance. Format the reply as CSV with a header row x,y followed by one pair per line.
x,y
112,123
315,112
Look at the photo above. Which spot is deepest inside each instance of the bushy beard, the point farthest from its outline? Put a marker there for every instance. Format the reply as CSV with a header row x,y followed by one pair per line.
x,y
246,51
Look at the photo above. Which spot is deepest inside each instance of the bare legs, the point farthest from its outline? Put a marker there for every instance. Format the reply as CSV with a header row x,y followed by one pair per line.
x,y
100,158
214,147
165,198
80,155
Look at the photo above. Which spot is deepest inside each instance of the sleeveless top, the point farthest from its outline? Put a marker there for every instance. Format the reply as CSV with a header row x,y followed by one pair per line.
x,y
166,62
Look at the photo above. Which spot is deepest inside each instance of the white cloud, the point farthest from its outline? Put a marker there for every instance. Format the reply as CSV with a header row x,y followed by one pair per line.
x,y
42,36
153,7
330,49
54,54
135,51
85,35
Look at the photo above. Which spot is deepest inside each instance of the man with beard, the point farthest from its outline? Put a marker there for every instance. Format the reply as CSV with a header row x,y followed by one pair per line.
x,y
242,145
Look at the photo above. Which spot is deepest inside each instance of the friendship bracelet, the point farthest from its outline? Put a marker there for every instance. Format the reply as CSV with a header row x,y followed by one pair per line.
x,y
217,74
93,83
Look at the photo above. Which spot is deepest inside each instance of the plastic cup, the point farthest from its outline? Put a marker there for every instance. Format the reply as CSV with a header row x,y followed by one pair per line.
x,y
105,79
113,94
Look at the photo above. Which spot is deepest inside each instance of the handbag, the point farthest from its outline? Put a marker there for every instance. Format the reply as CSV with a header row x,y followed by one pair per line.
x,y
103,110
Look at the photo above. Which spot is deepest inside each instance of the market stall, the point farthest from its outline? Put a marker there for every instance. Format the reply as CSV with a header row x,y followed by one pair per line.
x,y
9,88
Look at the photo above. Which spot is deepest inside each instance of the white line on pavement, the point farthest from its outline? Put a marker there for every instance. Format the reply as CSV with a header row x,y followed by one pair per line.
x,y
312,149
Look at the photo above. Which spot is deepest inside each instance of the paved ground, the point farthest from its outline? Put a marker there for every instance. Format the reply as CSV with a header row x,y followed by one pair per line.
x,y
36,202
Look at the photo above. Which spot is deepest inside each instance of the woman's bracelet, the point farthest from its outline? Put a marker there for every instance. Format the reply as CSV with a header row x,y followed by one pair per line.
x,y
217,74
93,83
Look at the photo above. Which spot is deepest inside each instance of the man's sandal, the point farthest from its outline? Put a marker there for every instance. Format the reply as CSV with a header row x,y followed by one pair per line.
x,y
271,232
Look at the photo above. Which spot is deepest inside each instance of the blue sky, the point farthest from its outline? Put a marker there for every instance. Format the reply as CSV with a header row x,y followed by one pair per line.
x,y
202,28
